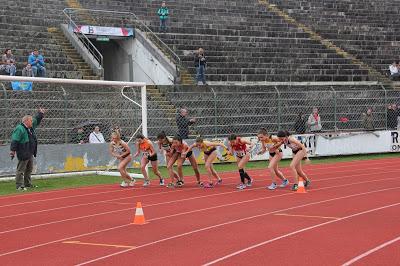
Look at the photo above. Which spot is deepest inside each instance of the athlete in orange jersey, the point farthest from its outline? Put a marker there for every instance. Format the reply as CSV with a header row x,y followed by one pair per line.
x,y
179,155
271,144
145,146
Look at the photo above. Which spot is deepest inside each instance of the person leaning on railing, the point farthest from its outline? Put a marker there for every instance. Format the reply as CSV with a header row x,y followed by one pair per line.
x,y
314,121
368,120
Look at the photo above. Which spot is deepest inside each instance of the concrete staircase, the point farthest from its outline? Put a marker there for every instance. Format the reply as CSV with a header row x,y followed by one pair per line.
x,y
72,54
161,101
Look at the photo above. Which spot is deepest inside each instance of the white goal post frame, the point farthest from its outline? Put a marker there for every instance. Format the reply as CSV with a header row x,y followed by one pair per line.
x,y
122,84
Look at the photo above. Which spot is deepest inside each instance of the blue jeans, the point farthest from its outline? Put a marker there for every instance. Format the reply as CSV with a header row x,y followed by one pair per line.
x,y
9,69
200,74
39,71
163,24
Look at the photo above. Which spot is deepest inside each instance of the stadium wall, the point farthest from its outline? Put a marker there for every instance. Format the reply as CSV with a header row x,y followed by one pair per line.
x,y
75,157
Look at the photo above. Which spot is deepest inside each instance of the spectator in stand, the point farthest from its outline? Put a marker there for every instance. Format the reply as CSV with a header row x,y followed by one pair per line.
x,y
314,121
200,64
80,136
368,120
96,136
163,13
36,60
27,71
184,122
8,63
300,124
392,114
395,70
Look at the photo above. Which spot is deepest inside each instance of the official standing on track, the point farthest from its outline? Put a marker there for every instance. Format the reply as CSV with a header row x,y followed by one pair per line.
x,y
24,144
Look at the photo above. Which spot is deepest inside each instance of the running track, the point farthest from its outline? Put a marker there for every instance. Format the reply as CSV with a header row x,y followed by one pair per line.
x,y
349,216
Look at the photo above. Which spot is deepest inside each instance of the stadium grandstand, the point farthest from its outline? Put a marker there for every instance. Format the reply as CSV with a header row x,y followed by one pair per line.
x,y
101,90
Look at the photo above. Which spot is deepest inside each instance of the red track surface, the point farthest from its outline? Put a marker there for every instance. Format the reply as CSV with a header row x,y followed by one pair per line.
x,y
351,213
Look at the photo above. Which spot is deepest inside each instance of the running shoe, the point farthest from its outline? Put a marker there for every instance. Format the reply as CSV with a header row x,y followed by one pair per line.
x,y
250,182
171,185
295,187
219,182
179,183
124,184
284,183
31,186
21,188
162,183
132,183
241,186
273,186
200,184
209,185
146,183
307,183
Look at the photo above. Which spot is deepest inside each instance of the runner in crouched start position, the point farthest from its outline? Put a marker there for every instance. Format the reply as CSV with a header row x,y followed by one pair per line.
x,y
275,155
165,144
299,152
238,146
120,150
145,146
210,154
179,155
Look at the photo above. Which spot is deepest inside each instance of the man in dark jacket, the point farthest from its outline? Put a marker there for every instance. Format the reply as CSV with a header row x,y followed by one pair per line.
x,y
183,123
300,124
392,114
24,144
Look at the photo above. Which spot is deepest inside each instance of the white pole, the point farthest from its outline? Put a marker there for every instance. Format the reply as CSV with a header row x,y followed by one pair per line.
x,y
144,117
144,111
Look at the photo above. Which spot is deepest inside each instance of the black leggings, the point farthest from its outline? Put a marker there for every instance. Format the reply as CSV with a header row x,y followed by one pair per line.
x,y
243,176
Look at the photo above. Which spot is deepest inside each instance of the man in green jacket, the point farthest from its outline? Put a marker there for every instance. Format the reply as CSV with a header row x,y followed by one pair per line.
x,y
163,14
24,144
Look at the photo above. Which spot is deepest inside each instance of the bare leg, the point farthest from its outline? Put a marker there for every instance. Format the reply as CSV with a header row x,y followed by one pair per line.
x,y
175,173
154,166
144,161
210,167
294,164
122,168
195,167
170,166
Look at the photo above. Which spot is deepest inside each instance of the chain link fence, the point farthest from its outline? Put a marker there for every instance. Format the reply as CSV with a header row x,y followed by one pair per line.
x,y
223,110
74,110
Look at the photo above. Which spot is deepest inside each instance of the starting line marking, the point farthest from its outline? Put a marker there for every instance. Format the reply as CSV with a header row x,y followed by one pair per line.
x,y
96,244
308,216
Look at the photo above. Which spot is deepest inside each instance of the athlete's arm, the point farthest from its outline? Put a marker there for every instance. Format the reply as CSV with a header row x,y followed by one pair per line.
x,y
137,149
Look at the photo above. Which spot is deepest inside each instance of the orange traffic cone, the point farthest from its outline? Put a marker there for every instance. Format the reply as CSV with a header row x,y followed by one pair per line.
x,y
139,215
301,188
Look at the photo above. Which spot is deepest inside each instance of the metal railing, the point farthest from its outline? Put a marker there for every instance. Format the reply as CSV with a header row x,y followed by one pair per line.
x,y
84,39
123,18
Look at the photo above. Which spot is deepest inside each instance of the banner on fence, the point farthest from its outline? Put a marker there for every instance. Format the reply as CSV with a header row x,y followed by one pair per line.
x,y
21,86
74,157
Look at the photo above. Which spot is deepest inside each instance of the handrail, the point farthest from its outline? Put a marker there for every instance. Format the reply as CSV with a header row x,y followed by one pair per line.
x,y
85,41
175,58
